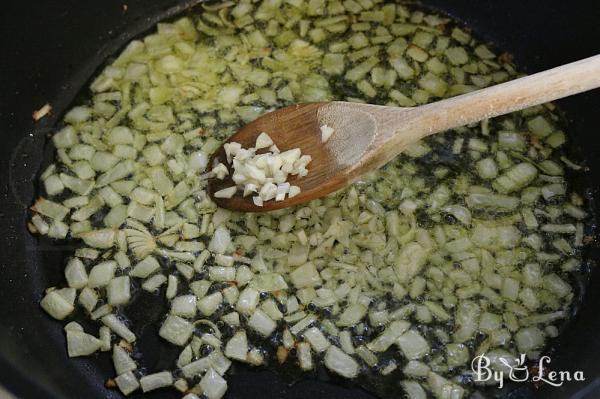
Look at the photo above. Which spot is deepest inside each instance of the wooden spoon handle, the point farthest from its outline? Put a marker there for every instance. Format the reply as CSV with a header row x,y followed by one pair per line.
x,y
497,100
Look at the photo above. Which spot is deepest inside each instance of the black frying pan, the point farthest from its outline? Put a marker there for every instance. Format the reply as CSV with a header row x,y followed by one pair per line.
x,y
49,50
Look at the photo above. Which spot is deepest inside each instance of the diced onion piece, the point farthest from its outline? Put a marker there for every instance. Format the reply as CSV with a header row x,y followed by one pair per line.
x,y
459,212
237,346
88,298
73,325
101,312
305,276
340,363
346,342
233,318
176,330
413,345
221,240
103,238
196,367
352,315
122,361
441,387
219,362
413,390
118,327
81,344
209,304
316,339
184,306
185,357
105,336
118,290
529,339
388,336
248,300
127,383
197,161
49,208
367,356
213,385
154,282
261,323
57,305
145,267
157,380
256,357
467,316
304,356
39,223
326,133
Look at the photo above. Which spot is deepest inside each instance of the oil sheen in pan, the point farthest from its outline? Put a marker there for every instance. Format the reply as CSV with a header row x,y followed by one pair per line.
x,y
319,373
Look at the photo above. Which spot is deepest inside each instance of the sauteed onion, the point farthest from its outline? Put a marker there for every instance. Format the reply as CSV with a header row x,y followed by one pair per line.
x,y
465,244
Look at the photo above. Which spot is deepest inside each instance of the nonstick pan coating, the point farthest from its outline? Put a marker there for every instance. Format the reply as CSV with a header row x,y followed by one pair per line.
x,y
49,51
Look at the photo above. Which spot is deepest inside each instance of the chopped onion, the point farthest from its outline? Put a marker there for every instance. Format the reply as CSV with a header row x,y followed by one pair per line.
x,y
111,321
261,323
237,347
209,304
127,383
76,273
118,290
248,300
157,380
413,345
102,274
316,339
57,305
340,363
176,330
213,385
481,236
221,241
145,267
81,344
304,356
122,361
184,306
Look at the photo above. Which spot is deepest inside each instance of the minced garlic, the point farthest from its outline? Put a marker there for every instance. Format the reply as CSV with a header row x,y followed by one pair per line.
x,y
265,175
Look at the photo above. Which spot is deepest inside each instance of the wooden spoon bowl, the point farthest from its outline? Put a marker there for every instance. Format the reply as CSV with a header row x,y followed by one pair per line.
x,y
368,136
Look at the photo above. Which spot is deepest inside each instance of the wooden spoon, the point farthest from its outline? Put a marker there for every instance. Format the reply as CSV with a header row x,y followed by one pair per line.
x,y
368,136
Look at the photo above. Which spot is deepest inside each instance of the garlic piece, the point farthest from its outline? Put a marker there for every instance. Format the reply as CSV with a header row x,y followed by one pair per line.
x,y
226,192
263,141
326,133
262,175
220,171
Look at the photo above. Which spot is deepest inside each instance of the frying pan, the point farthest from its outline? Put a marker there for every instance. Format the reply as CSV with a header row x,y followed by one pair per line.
x,y
50,50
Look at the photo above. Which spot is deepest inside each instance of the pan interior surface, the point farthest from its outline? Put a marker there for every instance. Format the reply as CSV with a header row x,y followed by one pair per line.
x,y
33,346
